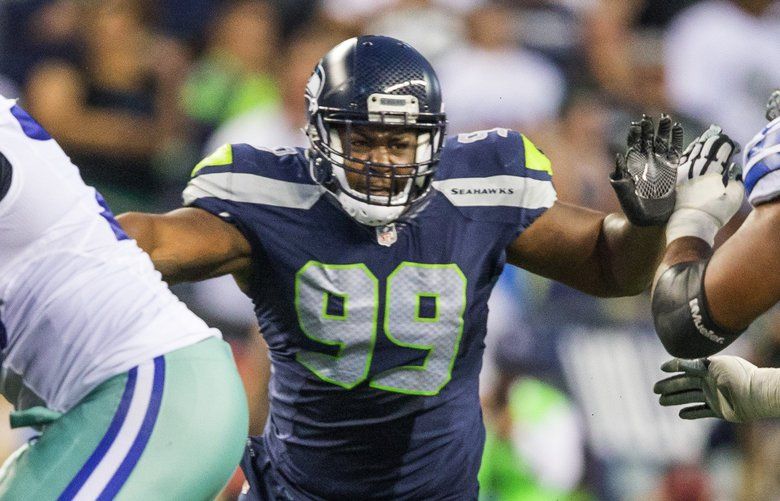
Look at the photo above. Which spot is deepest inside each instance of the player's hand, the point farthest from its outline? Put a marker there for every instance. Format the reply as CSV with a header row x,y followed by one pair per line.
x,y
709,187
722,386
644,178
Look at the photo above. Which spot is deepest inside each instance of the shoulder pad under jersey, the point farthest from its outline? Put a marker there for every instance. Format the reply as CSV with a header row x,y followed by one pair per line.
x,y
497,175
242,173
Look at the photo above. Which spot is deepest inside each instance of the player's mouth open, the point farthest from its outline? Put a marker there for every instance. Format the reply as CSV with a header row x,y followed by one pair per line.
x,y
380,191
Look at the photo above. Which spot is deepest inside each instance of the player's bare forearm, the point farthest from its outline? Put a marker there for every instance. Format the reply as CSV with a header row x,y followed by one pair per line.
x,y
683,250
142,228
188,244
628,255
596,253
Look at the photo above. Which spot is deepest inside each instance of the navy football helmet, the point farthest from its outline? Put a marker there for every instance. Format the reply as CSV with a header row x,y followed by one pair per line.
x,y
373,81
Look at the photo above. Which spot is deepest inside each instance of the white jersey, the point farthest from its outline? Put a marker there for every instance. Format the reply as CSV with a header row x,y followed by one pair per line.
x,y
761,164
79,301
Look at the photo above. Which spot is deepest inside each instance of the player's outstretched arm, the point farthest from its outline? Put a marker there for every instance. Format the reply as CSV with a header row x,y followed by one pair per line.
x,y
702,303
725,387
188,244
597,253
741,280
615,254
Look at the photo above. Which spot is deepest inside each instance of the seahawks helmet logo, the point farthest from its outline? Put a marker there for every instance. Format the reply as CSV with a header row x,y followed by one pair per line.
x,y
314,88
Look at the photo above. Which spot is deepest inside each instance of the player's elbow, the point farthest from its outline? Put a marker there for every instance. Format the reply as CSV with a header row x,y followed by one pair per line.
x,y
623,285
139,227
681,315
634,287
681,344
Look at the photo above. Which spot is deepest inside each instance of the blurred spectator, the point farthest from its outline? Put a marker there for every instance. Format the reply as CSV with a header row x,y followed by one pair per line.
x,y
7,88
294,15
624,42
354,13
187,20
113,112
431,27
534,446
492,81
236,72
610,370
684,482
554,28
721,62
279,124
581,156
33,30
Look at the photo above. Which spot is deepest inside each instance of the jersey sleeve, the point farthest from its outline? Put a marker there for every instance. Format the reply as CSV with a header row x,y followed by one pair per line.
x,y
243,185
497,175
762,165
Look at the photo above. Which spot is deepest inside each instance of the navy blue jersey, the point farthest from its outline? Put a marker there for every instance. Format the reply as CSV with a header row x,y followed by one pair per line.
x,y
376,335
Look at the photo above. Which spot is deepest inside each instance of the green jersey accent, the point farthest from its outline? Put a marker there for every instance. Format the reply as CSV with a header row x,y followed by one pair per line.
x,y
221,156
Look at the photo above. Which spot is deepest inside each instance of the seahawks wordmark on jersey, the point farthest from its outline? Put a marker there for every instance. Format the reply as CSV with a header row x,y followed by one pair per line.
x,y
376,340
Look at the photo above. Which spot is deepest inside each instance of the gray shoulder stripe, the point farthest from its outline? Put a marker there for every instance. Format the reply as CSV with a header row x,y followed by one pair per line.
x,y
250,188
510,191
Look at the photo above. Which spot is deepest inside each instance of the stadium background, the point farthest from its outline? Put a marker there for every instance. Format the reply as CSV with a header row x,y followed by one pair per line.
x,y
137,91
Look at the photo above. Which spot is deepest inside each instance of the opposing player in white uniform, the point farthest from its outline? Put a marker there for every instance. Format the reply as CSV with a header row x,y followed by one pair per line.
x,y
136,397
703,301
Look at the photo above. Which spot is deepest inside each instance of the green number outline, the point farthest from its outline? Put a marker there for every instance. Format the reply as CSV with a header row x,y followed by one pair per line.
x,y
429,348
340,344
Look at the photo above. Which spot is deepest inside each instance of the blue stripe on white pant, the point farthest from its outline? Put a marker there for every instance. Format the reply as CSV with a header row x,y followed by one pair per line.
x,y
112,462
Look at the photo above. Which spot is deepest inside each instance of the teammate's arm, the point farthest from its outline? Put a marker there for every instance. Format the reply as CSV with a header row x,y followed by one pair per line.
x,y
189,244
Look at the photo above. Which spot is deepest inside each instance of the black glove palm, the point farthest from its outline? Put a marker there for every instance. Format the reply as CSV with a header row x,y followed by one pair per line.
x,y
645,178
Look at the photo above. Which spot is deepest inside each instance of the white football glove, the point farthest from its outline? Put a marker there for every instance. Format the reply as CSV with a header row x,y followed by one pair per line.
x,y
709,188
723,386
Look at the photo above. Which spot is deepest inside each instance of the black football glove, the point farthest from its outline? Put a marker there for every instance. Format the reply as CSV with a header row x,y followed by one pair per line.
x,y
645,177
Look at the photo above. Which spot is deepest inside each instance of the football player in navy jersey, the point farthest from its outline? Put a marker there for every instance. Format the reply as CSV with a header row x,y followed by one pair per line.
x,y
370,257
697,313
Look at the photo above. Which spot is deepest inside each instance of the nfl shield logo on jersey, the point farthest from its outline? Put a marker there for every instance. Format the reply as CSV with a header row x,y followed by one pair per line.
x,y
386,235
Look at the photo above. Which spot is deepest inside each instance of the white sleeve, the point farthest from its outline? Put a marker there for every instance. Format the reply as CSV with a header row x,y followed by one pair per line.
x,y
762,165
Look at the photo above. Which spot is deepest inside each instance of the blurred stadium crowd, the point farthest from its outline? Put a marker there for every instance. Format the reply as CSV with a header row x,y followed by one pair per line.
x,y
137,91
